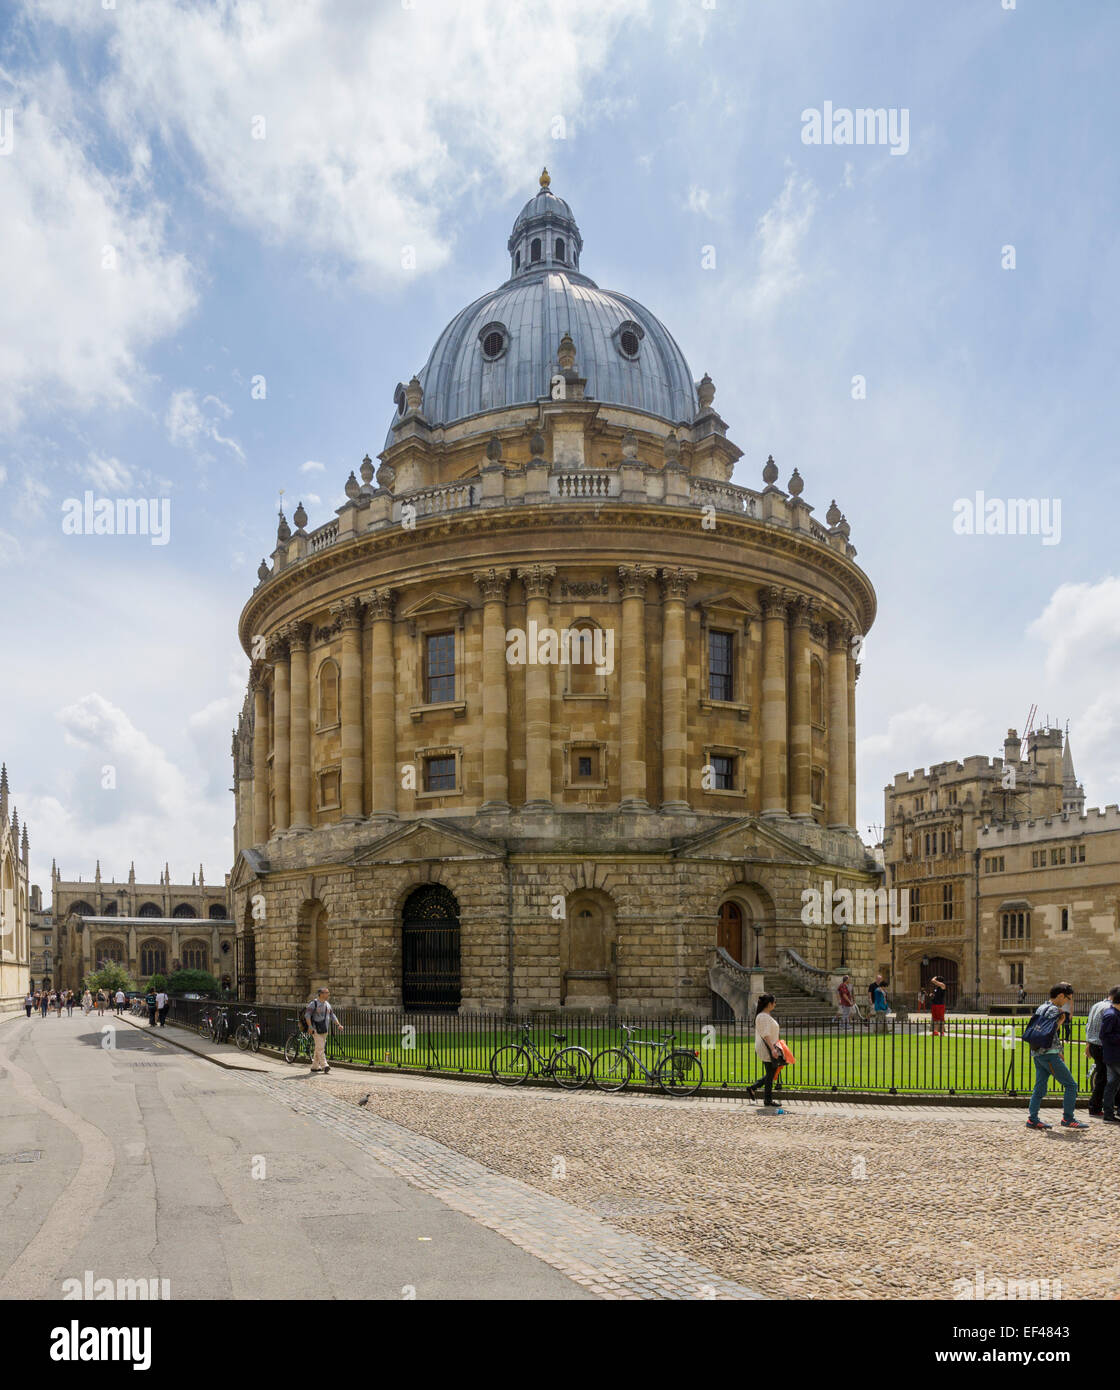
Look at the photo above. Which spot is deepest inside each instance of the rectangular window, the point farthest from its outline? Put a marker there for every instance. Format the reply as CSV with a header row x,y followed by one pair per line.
x,y
330,789
1062,855
946,902
1065,919
1016,969
439,774
1053,856
915,904
721,678
584,768
816,787
723,774
440,668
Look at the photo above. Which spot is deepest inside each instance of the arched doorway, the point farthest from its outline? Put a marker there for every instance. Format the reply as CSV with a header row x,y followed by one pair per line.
x,y
729,931
430,950
945,969
589,953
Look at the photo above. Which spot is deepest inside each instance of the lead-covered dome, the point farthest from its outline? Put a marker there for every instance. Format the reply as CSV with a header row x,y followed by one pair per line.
x,y
500,351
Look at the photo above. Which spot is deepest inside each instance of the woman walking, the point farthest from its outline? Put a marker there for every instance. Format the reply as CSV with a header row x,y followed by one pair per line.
x,y
44,1004
29,1004
766,1033
69,1003
87,1003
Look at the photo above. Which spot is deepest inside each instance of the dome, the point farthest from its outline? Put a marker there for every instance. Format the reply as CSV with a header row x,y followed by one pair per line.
x,y
500,351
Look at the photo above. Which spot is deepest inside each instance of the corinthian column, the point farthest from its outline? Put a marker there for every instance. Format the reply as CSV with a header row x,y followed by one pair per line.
x,y
493,585
632,582
349,611
261,827
800,736
774,725
299,639
839,776
281,743
538,691
853,676
674,690
383,701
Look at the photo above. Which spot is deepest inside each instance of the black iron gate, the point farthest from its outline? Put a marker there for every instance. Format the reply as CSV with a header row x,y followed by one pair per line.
x,y
430,950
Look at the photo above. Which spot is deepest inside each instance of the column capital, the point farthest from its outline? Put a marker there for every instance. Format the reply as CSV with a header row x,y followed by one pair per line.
x,y
277,646
494,584
258,676
298,636
537,580
803,611
675,582
633,579
379,603
818,631
775,603
840,633
347,613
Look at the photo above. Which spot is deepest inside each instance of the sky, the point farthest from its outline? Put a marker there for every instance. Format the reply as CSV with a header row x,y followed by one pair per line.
x,y
229,229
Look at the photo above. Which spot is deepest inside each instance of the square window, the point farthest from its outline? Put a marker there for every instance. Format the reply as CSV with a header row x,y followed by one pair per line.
x,y
721,682
584,768
439,774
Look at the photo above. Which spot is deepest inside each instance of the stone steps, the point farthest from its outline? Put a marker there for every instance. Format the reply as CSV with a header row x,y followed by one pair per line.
x,y
795,1002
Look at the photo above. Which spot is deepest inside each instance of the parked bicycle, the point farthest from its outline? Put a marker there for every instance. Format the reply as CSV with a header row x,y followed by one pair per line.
x,y
516,1062
214,1023
296,1045
248,1033
676,1070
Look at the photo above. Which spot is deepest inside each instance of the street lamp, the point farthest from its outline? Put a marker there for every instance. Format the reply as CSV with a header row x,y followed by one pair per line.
x,y
757,943
843,944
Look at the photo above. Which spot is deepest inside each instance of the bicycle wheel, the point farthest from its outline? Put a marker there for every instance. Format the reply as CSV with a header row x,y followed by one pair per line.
x,y
681,1074
612,1069
203,1026
293,1046
243,1037
572,1068
511,1065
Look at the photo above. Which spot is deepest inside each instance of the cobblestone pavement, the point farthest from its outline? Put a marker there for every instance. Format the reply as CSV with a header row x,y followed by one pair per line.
x,y
575,1240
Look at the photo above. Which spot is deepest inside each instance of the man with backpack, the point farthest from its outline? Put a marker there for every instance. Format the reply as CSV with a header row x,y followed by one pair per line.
x,y
320,1016
1110,1046
1042,1037
1094,1053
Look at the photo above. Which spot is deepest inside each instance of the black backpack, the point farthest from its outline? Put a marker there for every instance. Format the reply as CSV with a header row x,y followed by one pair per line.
x,y
1041,1029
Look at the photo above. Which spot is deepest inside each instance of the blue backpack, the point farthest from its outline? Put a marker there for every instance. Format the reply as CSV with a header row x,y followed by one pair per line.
x,y
1041,1028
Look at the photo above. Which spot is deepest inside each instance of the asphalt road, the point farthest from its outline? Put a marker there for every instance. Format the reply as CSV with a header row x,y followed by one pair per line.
x,y
141,1161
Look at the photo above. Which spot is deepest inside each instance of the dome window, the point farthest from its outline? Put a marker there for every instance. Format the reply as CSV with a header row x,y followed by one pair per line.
x,y
400,400
629,337
535,249
494,340
559,248
517,261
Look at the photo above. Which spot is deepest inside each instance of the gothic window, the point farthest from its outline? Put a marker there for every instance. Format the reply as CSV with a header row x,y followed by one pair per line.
x,y
184,910
328,695
217,912
109,910
153,958
149,910
83,909
195,955
721,669
440,668
109,951
946,902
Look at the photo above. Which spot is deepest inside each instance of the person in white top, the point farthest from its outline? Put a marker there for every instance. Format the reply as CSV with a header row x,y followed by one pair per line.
x,y
87,1003
118,1000
766,1048
161,1007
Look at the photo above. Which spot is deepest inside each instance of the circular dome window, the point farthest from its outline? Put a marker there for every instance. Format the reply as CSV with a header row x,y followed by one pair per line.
x,y
494,340
629,339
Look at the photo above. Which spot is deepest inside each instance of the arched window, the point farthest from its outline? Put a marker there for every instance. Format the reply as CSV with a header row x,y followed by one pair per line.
x,y
149,910
153,958
581,653
535,249
319,952
196,955
109,910
218,913
328,695
184,910
108,951
83,909
816,692
517,261
559,248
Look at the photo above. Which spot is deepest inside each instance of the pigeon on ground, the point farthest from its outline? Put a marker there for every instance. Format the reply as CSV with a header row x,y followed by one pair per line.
x,y
365,1098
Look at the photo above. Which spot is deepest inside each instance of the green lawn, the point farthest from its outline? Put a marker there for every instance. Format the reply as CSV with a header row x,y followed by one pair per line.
x,y
976,1056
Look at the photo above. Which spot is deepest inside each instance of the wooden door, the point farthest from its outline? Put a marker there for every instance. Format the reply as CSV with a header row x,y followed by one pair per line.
x,y
729,932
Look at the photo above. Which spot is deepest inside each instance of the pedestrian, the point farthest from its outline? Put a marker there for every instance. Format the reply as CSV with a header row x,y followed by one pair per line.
x,y
766,1035
69,1003
29,1003
44,1003
150,1001
320,1016
162,1002
118,1000
58,1001
100,1003
87,1002
921,1000
938,995
1042,1037
879,1006
1095,1053
1021,998
844,996
1110,1043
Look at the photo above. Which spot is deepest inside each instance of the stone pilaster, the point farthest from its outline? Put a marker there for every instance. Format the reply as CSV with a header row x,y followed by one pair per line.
x,y
349,612
674,689
494,585
800,734
261,827
281,741
383,701
537,580
632,581
775,603
853,676
299,640
839,637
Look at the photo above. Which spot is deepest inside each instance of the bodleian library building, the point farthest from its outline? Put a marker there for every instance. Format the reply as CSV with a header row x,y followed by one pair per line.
x,y
551,714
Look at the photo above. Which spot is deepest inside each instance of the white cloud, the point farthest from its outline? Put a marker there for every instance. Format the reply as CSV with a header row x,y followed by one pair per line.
x,y
782,230
913,732
699,200
190,426
312,466
1080,624
109,475
73,329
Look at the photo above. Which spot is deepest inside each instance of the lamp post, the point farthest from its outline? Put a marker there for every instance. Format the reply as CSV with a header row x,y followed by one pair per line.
x,y
843,944
757,944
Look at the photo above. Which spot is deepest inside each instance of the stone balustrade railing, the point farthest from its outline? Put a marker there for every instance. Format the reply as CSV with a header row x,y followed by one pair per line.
x,y
323,537
436,501
581,483
811,978
725,497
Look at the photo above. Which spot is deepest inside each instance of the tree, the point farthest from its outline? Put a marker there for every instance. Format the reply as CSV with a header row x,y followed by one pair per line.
x,y
158,982
110,978
192,982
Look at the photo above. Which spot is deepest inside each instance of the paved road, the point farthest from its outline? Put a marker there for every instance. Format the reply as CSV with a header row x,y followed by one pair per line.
x,y
138,1161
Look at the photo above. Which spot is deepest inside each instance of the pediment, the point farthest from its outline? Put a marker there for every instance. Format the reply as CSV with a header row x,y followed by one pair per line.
x,y
435,603
747,839
249,865
426,840
727,604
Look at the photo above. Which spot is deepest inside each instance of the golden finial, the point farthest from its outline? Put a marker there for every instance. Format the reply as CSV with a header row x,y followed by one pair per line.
x,y
545,180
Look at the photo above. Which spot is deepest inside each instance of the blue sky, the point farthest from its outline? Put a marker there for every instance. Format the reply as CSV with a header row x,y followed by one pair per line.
x,y
425,125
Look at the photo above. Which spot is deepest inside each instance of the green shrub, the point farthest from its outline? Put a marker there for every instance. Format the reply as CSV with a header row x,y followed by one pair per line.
x,y
192,982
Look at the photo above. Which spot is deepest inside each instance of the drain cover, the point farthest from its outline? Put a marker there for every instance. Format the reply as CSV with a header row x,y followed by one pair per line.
x,y
29,1157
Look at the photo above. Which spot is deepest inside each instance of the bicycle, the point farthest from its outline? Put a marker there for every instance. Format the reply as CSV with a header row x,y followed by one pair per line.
x,y
678,1072
514,1063
296,1045
248,1033
205,1023
219,1025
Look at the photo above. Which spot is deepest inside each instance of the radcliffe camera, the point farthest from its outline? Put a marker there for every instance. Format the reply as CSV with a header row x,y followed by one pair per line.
x,y
558,734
